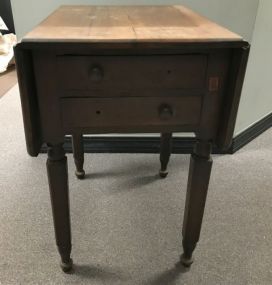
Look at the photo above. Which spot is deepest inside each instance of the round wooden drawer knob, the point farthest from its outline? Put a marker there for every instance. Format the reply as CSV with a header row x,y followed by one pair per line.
x,y
96,73
166,112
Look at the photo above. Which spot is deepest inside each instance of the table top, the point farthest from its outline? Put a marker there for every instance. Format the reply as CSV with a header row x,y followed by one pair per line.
x,y
128,24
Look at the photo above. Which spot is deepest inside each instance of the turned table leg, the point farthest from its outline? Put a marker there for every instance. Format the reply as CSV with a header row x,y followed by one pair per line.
x,y
58,185
165,152
78,150
198,181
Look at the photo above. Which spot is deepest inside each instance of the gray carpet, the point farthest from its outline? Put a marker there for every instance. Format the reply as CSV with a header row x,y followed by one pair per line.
x,y
126,222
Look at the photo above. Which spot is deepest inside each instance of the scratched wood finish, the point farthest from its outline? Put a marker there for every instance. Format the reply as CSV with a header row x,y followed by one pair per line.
x,y
130,114
164,69
139,72
128,24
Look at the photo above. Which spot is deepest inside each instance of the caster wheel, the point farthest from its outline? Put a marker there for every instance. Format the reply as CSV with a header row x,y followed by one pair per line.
x,y
186,262
163,173
67,267
80,174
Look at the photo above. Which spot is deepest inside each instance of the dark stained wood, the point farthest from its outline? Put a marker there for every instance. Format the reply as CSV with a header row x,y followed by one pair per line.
x,y
29,101
128,113
217,70
198,182
143,48
139,73
232,97
127,71
48,101
165,152
58,185
78,152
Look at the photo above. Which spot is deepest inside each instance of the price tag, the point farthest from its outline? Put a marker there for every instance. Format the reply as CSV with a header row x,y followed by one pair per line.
x,y
3,25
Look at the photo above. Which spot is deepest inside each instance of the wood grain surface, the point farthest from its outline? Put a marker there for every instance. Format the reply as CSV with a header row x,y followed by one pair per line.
x,y
128,24
109,69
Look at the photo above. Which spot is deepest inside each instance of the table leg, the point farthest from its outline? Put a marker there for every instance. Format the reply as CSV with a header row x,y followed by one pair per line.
x,y
58,185
198,181
78,150
165,152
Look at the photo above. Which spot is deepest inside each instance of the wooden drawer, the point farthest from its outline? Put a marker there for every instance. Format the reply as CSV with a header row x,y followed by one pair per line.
x,y
129,114
131,74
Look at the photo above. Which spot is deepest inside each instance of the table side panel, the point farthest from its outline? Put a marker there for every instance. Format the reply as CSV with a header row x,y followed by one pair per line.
x,y
29,101
48,97
215,91
237,71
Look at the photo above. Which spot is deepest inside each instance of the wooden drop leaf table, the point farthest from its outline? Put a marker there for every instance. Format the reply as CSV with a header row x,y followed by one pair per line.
x,y
129,69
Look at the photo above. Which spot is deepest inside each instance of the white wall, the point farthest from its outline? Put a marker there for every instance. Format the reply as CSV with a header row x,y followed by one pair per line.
x,y
256,101
238,16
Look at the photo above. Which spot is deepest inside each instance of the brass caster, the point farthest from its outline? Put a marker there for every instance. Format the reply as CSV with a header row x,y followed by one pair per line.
x,y
186,262
163,173
80,174
67,267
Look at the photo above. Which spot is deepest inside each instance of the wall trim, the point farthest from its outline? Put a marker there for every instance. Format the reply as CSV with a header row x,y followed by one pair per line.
x,y
181,145
251,133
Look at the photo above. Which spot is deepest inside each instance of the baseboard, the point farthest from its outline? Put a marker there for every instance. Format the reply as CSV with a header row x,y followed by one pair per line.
x,y
251,133
181,145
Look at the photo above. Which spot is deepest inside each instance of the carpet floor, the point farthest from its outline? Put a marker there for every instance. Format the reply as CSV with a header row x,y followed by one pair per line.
x,y
126,223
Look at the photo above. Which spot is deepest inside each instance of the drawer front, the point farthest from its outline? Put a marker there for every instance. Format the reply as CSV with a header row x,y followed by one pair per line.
x,y
131,73
130,114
